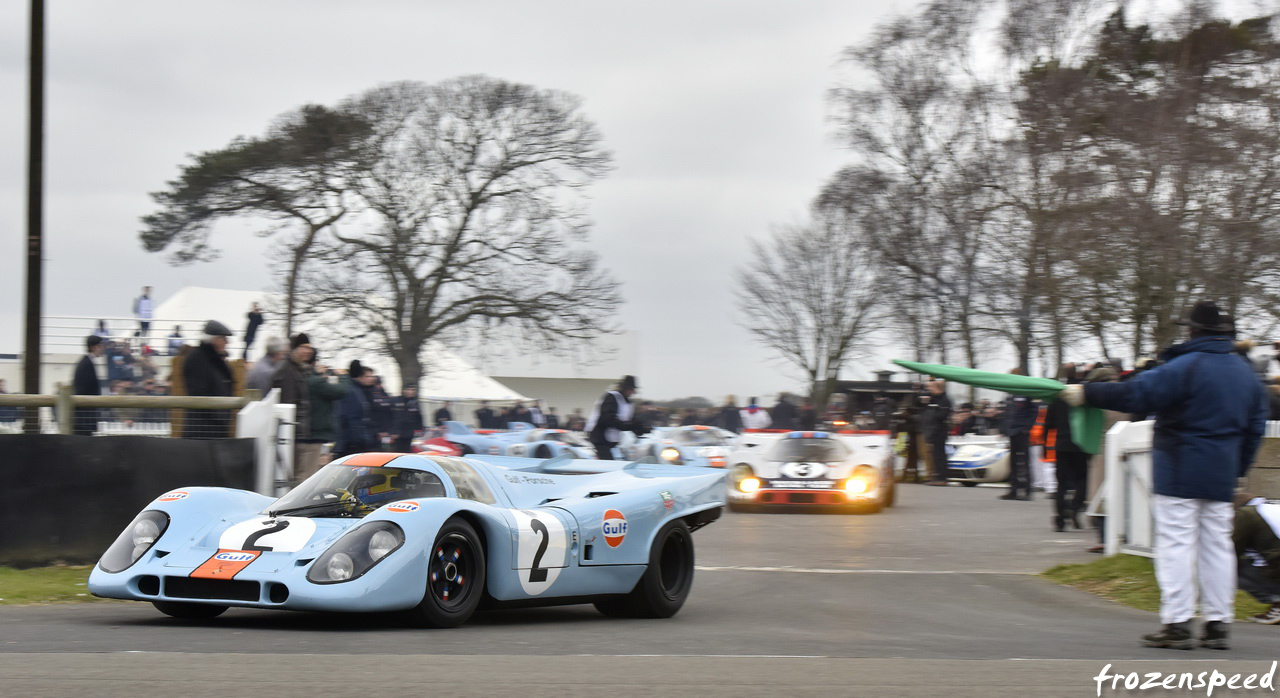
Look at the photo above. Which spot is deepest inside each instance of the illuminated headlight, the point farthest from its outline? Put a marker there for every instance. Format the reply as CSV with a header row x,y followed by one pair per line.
x,y
672,456
862,481
749,485
136,539
356,552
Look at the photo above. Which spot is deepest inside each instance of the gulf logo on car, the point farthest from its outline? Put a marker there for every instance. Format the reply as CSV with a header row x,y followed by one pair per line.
x,y
172,496
614,528
401,507
235,557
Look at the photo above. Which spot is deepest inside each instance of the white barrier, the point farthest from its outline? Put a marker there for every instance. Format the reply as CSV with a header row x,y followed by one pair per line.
x,y
1129,528
272,425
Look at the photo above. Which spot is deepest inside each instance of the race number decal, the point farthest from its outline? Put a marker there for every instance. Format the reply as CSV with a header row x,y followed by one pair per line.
x,y
282,534
542,549
803,470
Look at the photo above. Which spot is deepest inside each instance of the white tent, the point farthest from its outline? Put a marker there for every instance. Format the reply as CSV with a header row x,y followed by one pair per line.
x,y
449,377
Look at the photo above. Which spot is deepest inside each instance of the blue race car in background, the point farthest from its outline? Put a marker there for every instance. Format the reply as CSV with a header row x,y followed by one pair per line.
x,y
430,537
688,445
522,440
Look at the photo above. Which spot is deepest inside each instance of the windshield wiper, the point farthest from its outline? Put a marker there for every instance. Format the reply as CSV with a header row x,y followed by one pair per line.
x,y
307,507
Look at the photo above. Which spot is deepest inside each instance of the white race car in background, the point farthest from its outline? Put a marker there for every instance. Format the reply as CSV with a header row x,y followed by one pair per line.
x,y
688,445
978,459
812,468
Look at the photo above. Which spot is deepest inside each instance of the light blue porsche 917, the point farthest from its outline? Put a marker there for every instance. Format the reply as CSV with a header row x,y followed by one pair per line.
x,y
430,536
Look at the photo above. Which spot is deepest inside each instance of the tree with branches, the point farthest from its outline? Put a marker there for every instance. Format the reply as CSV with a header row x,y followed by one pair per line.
x,y
813,295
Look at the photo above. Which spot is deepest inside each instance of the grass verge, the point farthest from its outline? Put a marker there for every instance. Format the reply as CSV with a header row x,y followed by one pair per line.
x,y
45,585
1130,580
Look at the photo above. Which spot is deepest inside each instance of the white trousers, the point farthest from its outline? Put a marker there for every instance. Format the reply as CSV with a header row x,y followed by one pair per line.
x,y
1042,473
1194,534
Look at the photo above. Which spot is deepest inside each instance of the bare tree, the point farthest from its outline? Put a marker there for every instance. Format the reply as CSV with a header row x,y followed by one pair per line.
x,y
298,177
813,295
471,221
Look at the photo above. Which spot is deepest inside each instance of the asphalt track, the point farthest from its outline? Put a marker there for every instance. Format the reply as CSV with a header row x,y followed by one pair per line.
x,y
937,596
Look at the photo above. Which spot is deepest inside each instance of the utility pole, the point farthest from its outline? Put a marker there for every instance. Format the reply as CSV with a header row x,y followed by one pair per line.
x,y
35,211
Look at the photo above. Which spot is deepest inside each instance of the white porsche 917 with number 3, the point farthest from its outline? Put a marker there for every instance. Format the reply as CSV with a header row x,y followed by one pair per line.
x,y
812,468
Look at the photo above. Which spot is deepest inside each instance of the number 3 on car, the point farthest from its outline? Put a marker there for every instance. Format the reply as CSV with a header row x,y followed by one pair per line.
x,y
542,549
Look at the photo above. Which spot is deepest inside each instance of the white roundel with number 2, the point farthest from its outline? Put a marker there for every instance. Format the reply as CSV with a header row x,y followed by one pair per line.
x,y
542,549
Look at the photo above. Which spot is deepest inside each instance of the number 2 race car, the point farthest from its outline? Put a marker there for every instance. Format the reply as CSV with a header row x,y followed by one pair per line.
x,y
812,468
431,537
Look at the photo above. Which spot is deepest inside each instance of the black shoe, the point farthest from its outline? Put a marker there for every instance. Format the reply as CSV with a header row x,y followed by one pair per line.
x,y
1176,636
1057,524
1008,495
1215,635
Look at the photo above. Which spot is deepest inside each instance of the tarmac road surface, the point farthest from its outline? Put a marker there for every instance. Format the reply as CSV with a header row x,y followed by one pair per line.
x,y
938,595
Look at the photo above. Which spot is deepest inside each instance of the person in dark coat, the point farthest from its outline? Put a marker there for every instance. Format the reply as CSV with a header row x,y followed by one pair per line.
x,y
408,419
1211,413
86,382
730,417
613,414
807,418
443,414
205,372
882,411
251,329
783,413
357,424
290,379
935,425
485,418
1071,467
1020,413
326,388
1256,535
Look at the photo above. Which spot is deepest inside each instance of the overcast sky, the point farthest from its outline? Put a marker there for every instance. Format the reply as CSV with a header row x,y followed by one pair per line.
x,y
714,110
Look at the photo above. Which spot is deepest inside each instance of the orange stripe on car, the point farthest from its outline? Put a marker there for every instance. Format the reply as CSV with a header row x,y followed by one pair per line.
x,y
225,564
371,459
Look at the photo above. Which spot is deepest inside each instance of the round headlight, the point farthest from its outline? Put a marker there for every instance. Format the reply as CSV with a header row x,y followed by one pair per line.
x,y
671,455
382,543
341,567
749,485
856,485
145,532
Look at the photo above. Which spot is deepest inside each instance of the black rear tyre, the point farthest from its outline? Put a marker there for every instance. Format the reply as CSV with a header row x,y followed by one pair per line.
x,y
666,583
190,611
455,577
968,483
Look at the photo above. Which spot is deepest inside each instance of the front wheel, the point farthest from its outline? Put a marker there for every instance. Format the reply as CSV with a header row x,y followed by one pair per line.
x,y
666,582
455,577
968,483
189,611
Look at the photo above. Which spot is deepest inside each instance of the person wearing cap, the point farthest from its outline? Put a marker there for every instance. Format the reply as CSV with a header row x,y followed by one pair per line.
x,y
205,372
1210,415
290,378
613,414
86,382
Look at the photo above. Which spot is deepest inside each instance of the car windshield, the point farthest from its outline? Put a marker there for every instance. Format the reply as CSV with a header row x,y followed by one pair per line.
x,y
697,437
354,491
808,450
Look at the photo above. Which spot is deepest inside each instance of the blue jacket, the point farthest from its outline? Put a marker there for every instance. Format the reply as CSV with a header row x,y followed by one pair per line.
x,y
1020,414
1211,411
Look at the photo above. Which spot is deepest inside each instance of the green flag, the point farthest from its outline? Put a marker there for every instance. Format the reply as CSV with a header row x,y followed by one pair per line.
x,y
1086,422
